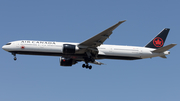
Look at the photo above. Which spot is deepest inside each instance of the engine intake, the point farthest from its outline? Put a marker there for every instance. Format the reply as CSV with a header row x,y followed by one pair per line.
x,y
69,49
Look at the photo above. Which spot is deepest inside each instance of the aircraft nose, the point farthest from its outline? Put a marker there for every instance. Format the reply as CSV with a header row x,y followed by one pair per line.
x,y
4,47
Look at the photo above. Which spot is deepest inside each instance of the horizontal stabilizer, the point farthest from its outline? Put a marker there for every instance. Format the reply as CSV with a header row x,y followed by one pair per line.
x,y
97,63
163,49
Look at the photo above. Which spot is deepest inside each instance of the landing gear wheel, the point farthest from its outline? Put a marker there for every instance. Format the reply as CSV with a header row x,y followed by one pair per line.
x,y
90,67
15,58
87,66
83,65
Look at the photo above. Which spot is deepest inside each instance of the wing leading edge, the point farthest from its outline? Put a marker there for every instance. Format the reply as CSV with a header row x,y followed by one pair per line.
x,y
99,39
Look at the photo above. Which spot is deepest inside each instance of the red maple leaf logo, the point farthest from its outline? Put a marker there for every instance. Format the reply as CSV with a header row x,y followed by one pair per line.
x,y
22,47
158,42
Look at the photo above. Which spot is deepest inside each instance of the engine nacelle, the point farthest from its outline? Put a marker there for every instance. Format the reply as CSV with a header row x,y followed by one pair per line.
x,y
66,61
69,49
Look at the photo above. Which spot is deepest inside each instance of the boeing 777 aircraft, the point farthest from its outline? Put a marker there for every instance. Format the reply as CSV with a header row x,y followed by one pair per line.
x,y
92,49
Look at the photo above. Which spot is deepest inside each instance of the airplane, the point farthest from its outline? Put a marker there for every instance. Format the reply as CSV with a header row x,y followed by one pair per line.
x,y
92,49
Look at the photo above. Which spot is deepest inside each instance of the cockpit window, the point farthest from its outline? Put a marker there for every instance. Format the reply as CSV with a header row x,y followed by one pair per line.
x,y
8,43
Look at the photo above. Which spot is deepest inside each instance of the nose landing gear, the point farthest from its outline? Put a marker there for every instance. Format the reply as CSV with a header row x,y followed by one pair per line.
x,y
14,54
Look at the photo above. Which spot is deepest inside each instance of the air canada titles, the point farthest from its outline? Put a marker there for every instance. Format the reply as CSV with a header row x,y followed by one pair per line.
x,y
38,42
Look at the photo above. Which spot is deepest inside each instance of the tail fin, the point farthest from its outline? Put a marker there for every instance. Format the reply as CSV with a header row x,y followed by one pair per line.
x,y
159,40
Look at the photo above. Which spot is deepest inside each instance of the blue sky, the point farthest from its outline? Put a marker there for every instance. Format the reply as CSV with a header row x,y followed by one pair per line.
x,y
40,78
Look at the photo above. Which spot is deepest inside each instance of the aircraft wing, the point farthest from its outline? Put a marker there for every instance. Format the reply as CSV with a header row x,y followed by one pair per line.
x,y
99,39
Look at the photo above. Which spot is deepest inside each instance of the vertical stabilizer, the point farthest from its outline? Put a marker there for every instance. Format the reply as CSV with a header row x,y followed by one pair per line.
x,y
159,40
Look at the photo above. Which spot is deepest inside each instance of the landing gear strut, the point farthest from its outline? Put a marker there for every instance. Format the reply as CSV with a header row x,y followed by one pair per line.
x,y
89,58
14,54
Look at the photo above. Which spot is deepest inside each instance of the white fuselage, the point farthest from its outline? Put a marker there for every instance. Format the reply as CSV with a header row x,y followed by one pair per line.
x,y
49,48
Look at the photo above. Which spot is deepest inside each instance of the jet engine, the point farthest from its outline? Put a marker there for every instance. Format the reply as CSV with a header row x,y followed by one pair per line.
x,y
66,61
69,49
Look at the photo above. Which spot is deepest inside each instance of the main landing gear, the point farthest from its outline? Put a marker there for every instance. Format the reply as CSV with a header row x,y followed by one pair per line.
x,y
87,60
87,66
14,54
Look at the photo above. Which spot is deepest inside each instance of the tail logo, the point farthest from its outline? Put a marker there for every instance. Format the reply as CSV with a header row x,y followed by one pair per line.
x,y
158,42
